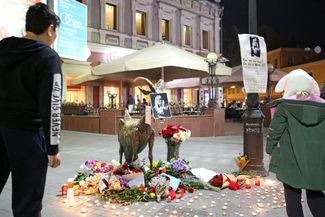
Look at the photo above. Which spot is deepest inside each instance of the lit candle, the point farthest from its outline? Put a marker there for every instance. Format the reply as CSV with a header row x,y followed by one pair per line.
x,y
257,180
248,184
69,193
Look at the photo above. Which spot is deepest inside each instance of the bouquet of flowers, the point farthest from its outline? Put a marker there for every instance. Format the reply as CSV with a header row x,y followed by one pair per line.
x,y
223,180
242,161
179,167
159,186
94,166
174,135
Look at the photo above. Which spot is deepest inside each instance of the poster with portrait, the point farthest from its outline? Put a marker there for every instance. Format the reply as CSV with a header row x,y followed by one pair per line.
x,y
254,62
160,106
12,17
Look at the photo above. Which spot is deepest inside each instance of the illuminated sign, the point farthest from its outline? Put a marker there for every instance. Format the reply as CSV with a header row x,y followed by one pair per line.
x,y
71,41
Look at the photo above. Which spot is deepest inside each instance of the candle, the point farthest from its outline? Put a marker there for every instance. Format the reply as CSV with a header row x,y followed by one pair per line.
x,y
70,182
257,180
70,193
181,193
64,189
248,184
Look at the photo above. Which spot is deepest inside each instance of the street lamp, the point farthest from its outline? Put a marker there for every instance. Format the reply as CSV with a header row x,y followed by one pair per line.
x,y
111,99
212,80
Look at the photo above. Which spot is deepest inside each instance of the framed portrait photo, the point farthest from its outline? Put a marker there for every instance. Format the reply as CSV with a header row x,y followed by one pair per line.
x,y
160,106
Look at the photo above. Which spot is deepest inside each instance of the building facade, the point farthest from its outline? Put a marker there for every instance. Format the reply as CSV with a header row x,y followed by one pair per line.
x,y
119,27
310,60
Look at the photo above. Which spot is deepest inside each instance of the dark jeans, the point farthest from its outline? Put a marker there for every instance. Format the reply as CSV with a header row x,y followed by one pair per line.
x,y
23,153
315,200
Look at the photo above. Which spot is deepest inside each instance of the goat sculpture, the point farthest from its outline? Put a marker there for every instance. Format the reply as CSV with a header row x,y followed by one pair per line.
x,y
133,136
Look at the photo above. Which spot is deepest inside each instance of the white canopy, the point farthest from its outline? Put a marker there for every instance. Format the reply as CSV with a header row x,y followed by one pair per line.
x,y
237,76
148,62
84,78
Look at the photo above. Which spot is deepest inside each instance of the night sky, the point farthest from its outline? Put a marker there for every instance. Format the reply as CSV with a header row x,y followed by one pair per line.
x,y
300,22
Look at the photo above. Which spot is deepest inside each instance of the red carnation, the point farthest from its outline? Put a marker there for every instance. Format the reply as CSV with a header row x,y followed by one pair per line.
x,y
152,190
190,190
125,166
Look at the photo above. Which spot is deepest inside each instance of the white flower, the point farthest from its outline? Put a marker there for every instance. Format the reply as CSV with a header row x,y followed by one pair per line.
x,y
115,163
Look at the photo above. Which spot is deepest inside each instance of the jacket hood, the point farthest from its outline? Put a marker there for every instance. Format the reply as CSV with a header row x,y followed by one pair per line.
x,y
306,112
13,50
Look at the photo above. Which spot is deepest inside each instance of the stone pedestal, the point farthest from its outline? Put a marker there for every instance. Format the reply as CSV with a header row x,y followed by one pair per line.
x,y
253,141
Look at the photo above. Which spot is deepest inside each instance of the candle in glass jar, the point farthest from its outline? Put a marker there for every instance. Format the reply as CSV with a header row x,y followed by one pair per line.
x,y
248,184
257,180
64,189
70,193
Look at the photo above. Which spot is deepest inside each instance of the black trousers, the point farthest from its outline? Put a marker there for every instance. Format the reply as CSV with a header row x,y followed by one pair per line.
x,y
23,154
315,200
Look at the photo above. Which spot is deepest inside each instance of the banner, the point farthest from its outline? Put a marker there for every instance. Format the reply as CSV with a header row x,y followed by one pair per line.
x,y
71,41
254,61
12,17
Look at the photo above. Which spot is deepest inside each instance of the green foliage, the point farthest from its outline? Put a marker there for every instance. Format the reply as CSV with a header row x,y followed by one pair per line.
x,y
192,182
81,176
244,172
125,196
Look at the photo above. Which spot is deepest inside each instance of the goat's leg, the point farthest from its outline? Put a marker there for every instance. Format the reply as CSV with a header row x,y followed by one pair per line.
x,y
151,142
121,153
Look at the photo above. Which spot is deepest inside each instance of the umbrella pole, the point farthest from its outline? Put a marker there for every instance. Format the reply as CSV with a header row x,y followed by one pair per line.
x,y
162,73
121,92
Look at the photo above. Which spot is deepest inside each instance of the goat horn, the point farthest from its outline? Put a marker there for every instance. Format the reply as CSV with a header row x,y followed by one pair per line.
x,y
150,84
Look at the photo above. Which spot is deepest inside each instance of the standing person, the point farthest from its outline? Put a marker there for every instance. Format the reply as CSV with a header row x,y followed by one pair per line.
x,y
30,105
131,103
296,143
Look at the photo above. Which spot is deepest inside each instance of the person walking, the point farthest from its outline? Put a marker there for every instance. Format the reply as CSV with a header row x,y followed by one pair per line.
x,y
296,143
30,110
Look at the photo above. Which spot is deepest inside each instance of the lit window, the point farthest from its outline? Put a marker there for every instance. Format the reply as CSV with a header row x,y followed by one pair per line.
x,y
165,29
187,35
205,39
110,16
140,19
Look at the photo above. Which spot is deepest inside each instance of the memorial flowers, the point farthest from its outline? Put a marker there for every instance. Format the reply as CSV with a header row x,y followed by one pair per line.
x,y
242,161
174,136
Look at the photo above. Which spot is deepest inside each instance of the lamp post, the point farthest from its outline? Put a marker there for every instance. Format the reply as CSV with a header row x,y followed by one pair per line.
x,y
111,98
253,116
212,80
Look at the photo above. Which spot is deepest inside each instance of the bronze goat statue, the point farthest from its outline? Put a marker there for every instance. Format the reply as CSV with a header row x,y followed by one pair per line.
x,y
133,136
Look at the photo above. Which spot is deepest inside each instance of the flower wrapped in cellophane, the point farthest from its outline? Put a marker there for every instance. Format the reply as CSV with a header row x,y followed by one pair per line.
x,y
242,161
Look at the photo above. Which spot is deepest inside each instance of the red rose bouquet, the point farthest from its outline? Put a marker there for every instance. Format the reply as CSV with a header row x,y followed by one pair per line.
x,y
174,135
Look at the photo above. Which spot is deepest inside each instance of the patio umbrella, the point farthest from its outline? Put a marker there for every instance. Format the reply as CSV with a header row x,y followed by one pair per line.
x,y
237,76
158,61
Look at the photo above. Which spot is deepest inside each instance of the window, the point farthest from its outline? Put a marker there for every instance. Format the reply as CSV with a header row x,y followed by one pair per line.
x,y
165,29
110,17
140,19
290,61
187,35
205,39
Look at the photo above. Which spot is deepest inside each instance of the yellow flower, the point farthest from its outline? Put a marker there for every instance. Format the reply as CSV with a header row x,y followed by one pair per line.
x,y
152,195
154,164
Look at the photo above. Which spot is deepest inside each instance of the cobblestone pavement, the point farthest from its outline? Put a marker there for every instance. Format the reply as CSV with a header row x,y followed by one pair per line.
x,y
214,153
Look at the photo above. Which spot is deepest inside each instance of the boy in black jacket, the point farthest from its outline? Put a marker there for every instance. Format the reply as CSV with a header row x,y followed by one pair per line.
x,y
30,101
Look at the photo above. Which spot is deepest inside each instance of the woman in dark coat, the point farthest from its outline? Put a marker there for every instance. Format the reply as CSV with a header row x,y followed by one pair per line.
x,y
296,144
